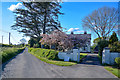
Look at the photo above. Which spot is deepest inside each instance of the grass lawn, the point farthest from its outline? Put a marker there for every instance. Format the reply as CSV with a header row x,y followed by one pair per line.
x,y
114,71
82,55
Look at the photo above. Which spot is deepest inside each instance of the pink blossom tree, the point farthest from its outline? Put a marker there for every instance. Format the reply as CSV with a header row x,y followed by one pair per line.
x,y
57,38
62,41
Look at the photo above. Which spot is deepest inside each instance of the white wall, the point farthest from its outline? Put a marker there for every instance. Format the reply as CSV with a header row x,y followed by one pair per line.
x,y
109,57
75,56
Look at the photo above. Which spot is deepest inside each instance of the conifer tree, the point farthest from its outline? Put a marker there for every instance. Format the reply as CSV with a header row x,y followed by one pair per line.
x,y
113,38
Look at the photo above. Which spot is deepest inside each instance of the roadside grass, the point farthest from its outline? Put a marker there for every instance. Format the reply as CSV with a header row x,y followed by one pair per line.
x,y
55,62
114,71
7,53
51,56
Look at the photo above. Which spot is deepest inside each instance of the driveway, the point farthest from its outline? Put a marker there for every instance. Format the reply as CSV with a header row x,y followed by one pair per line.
x,y
26,65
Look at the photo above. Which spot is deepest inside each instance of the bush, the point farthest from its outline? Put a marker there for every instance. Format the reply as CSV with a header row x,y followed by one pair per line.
x,y
113,38
36,45
46,53
117,60
101,45
115,47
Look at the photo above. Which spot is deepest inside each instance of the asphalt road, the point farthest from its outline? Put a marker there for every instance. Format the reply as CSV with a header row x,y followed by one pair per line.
x,y
26,65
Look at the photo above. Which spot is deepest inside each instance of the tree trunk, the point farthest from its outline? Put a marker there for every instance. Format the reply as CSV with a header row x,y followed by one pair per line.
x,y
44,26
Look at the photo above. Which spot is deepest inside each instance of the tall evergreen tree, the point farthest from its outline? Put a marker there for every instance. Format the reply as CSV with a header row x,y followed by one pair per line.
x,y
113,38
37,18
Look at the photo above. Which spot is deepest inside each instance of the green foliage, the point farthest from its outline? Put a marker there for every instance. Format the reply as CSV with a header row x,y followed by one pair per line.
x,y
114,71
36,45
46,53
15,46
31,42
96,40
34,42
6,45
101,45
8,53
117,60
49,56
115,47
113,38
93,47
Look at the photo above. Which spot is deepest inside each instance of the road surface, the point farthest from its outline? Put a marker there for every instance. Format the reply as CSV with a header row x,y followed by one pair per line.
x,y
26,65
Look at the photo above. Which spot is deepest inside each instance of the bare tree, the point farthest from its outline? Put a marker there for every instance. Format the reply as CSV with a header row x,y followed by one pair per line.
x,y
102,21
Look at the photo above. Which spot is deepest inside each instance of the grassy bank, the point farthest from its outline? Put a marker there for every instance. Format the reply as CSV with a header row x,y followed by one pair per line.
x,y
49,56
8,53
114,71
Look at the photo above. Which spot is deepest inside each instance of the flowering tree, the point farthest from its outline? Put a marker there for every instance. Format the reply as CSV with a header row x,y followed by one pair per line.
x,y
63,41
57,38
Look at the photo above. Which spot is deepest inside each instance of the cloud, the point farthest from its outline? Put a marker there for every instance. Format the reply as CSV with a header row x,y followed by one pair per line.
x,y
75,30
14,7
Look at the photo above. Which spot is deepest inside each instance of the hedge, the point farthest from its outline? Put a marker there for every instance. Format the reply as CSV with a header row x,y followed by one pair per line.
x,y
117,60
46,53
8,53
115,47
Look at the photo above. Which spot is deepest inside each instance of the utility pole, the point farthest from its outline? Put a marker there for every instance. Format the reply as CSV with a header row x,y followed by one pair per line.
x,y
9,38
2,39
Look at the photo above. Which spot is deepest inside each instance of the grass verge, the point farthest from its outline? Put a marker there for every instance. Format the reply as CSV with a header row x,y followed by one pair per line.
x,y
8,53
114,71
51,56
55,62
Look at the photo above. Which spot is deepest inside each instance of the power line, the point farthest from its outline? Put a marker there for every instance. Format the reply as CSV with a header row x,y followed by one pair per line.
x,y
14,39
4,31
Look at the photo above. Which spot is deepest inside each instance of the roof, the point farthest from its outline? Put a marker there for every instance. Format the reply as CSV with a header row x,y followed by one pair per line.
x,y
81,35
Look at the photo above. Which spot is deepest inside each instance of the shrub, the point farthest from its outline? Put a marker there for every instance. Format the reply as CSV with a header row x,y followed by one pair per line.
x,y
47,53
117,60
36,45
8,53
113,38
115,47
101,45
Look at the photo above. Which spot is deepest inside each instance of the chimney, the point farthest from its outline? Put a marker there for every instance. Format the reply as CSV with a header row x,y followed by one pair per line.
x,y
85,32
72,32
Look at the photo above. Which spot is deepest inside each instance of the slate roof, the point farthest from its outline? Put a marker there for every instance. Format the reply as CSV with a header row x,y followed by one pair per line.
x,y
81,35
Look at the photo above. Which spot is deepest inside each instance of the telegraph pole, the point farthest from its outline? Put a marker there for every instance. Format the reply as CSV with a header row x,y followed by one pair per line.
x,y
2,39
9,38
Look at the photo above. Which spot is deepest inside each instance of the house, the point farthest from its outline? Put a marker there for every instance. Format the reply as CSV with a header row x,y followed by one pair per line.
x,y
86,47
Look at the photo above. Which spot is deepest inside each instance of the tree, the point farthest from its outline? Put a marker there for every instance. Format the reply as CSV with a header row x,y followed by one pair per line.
x,y
113,38
63,41
38,17
31,42
57,38
101,45
95,41
34,41
102,21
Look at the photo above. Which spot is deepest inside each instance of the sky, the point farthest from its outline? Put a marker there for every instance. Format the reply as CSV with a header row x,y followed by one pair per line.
x,y
74,12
